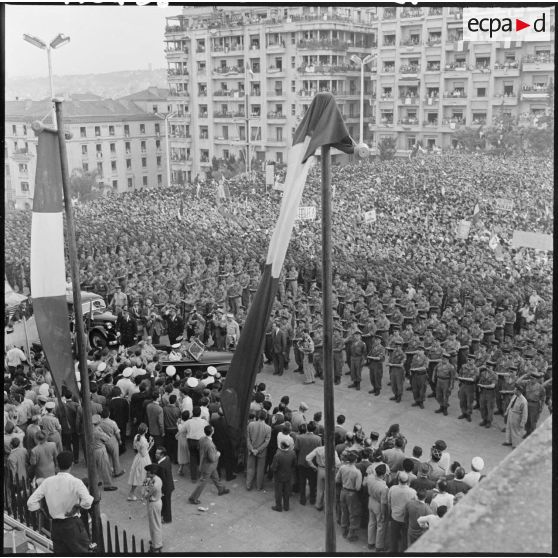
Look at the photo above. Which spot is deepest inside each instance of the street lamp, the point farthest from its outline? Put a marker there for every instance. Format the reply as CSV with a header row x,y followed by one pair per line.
x,y
58,41
362,61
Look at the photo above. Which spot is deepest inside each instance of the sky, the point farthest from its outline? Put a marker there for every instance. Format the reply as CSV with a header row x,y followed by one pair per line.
x,y
103,38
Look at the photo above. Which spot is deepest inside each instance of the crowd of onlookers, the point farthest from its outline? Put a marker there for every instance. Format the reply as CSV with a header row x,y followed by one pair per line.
x,y
176,262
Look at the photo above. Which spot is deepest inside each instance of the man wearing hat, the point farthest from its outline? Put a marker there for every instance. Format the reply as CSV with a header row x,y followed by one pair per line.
x,y
397,371
152,494
297,336
377,489
375,359
468,377
338,346
444,377
473,477
487,384
283,467
318,354
418,366
398,496
102,462
535,395
516,415
51,425
279,348
175,325
64,495
127,327
119,300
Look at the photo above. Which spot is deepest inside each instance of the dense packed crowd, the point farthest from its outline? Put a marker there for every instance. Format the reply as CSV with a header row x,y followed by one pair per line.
x,y
410,299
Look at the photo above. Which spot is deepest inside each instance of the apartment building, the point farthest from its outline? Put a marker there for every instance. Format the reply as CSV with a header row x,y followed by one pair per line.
x,y
117,138
241,78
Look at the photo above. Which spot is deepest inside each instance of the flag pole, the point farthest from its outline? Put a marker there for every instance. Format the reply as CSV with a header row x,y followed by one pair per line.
x,y
97,532
329,422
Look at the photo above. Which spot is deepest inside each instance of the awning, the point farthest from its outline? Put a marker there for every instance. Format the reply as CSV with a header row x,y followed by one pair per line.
x,y
409,81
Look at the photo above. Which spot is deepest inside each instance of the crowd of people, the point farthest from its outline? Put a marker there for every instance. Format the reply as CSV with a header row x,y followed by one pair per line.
x,y
412,302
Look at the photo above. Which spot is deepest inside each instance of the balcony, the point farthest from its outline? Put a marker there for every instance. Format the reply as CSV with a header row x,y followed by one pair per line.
x,y
538,63
455,70
174,30
454,123
385,123
275,72
410,44
389,44
535,93
228,71
432,67
435,12
455,43
480,68
276,116
176,52
409,100
434,42
235,93
432,101
407,13
277,94
176,75
387,98
328,69
226,115
178,93
389,13
430,123
508,69
226,50
408,122
388,69
409,71
202,115
323,45
276,47
454,98
456,13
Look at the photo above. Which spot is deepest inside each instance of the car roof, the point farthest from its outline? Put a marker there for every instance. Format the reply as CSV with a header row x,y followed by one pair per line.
x,y
85,296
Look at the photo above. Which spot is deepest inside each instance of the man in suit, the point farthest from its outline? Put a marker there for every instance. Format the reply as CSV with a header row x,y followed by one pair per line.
x,y
155,423
164,462
175,326
283,467
279,344
127,327
209,458
258,437
119,409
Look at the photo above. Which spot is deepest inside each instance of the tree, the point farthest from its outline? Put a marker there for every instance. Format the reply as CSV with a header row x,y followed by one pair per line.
x,y
386,147
83,184
470,139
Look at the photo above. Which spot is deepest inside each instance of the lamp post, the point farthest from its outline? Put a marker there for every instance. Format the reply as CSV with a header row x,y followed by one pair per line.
x,y
58,41
362,61
167,117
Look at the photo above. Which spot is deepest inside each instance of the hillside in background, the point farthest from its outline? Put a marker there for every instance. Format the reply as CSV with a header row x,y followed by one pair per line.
x,y
111,85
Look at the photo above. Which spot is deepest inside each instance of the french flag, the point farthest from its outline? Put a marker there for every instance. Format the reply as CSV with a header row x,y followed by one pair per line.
x,y
48,272
322,125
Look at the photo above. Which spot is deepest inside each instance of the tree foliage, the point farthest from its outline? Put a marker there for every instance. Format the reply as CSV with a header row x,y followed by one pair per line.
x,y
386,147
83,184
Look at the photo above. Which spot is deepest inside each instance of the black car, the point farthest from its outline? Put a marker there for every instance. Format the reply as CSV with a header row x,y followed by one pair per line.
x,y
196,358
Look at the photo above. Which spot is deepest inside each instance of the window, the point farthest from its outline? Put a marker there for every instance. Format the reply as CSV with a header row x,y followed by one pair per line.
x,y
128,148
279,134
115,184
143,146
100,168
225,132
113,148
82,132
127,130
85,167
508,89
279,63
25,186
204,155
278,88
158,160
255,63
113,166
293,86
293,109
226,154
159,180
157,144
144,162
411,140
242,133
481,91
142,128
204,133
144,180
279,157
128,164
111,130
155,109
22,167
84,149
432,118
130,183
14,130
97,130
157,128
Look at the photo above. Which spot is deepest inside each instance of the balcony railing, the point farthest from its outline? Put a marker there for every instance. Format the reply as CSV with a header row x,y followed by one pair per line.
x,y
327,68
323,44
277,115
386,98
409,121
410,42
434,41
506,65
223,115
202,93
184,50
274,70
229,70
389,14
535,88
435,11
457,13
388,69
409,100
454,122
176,73
538,58
411,69
175,28
276,46
226,49
431,123
202,115
455,67
455,94
388,43
178,93
432,67
227,93
485,68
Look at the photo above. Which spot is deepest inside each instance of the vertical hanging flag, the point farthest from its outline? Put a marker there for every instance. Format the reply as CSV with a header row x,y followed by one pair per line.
x,y
48,274
322,125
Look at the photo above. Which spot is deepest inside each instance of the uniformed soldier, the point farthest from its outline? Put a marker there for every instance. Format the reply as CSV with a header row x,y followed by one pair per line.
x,y
317,355
397,371
306,347
468,376
338,346
376,358
434,357
509,316
358,355
476,335
297,336
382,325
444,377
535,395
368,329
487,385
452,346
464,339
418,369
287,327
507,381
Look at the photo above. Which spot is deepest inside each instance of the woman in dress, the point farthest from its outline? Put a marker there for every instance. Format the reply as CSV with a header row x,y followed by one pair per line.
x,y
183,453
137,472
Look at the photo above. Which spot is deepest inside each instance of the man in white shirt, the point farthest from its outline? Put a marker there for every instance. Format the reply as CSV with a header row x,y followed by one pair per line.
x,y
14,357
126,385
64,495
472,478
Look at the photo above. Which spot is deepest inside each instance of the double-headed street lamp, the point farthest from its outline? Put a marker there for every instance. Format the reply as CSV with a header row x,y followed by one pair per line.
x,y
362,61
58,41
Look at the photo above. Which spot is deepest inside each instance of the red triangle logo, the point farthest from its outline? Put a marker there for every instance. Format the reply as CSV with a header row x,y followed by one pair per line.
x,y
519,25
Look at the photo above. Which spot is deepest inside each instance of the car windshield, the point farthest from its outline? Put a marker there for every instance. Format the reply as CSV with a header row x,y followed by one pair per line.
x,y
97,304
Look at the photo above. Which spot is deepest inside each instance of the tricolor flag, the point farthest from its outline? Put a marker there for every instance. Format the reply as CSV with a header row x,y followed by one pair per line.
x,y
48,274
322,125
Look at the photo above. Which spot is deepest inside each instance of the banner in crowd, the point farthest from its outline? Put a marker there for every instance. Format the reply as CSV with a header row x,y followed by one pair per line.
x,y
48,272
306,213
539,241
269,175
322,125
463,229
370,216
503,204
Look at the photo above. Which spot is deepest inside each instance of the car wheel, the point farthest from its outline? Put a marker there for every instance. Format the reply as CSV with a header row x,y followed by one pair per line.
x,y
97,340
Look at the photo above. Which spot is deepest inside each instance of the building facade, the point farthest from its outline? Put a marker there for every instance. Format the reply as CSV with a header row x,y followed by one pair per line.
x,y
240,79
119,140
